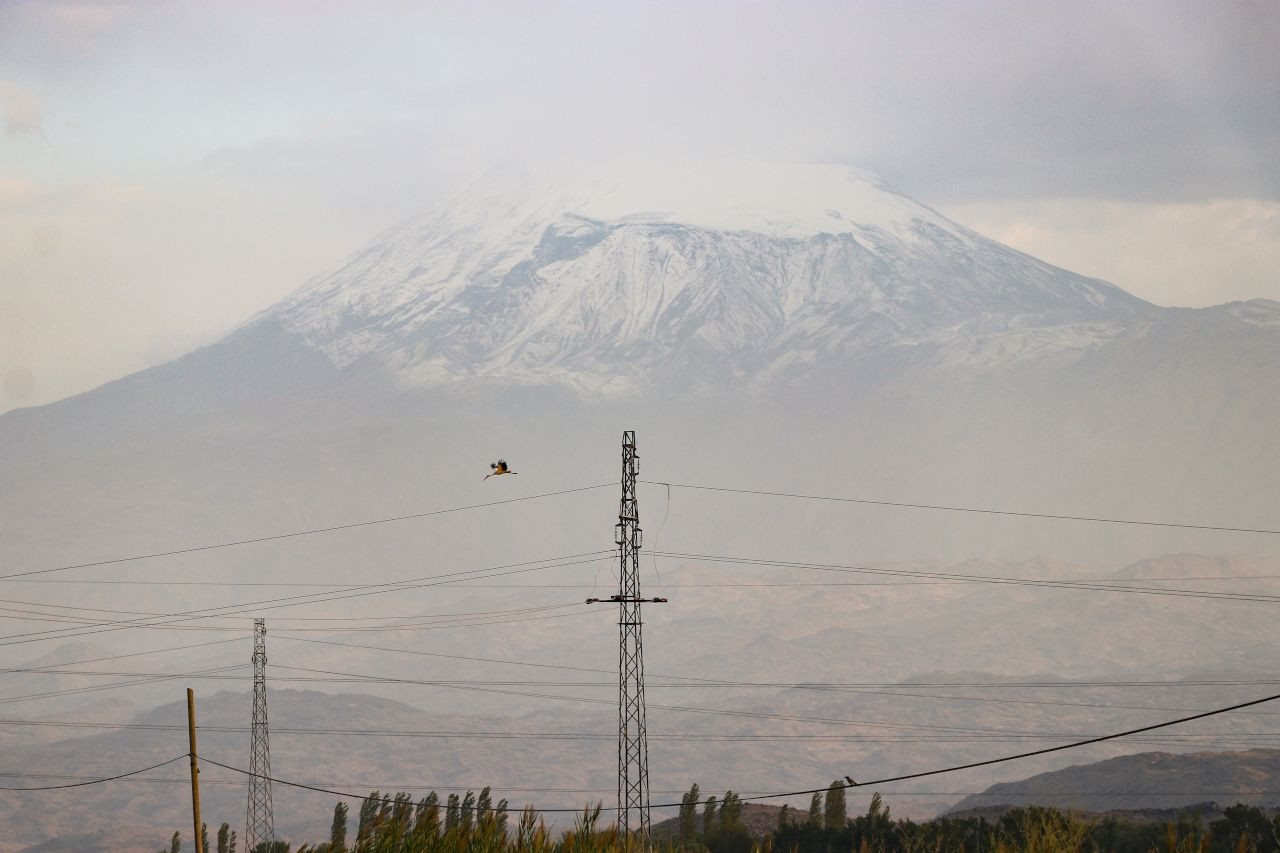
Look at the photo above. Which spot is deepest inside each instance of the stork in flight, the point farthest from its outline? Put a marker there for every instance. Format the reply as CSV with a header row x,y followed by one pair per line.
x,y
499,468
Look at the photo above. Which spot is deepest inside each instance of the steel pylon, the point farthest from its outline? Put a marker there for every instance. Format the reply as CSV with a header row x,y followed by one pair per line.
x,y
259,821
633,744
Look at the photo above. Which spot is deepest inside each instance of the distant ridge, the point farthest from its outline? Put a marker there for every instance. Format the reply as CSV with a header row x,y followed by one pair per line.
x,y
1147,780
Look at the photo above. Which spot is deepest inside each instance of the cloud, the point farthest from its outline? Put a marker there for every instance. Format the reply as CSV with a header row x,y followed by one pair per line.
x,y
1177,253
271,158
79,27
1133,141
15,190
18,384
88,18
21,111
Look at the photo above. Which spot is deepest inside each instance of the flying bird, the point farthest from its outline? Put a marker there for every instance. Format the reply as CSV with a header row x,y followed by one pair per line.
x,y
499,468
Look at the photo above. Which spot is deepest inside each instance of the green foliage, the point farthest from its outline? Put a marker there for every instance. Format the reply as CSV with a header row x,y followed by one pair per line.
x,y
175,843
709,815
338,829
1243,827
271,847
451,813
468,809
426,822
730,811
833,812
368,813
1033,830
224,838
587,837
727,835
689,815
1039,830
532,835
398,825
815,811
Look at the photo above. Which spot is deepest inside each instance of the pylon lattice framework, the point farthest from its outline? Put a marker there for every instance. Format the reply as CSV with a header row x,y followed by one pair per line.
x,y
633,744
259,821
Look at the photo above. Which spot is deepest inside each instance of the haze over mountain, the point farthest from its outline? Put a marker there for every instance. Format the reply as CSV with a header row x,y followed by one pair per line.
x,y
874,346
774,328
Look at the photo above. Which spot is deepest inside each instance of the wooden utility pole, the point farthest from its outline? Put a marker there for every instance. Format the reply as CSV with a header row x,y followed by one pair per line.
x,y
195,772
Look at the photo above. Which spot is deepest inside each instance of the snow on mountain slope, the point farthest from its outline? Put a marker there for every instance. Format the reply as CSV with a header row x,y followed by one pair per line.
x,y
692,275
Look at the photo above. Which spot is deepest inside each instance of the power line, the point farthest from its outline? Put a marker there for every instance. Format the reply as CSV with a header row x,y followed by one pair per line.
x,y
585,586
297,533
758,492
691,737
700,686
864,688
990,761
885,781
429,626
1093,586
289,784
425,626
503,790
979,510
311,598
96,781
445,620
343,678
247,608
49,667
211,673
382,617
183,583
900,778
481,687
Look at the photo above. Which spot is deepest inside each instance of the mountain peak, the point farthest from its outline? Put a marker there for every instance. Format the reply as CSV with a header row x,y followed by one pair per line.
x,y
780,199
719,273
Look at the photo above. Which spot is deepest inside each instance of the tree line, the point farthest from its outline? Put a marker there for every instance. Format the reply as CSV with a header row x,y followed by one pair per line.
x,y
826,828
474,823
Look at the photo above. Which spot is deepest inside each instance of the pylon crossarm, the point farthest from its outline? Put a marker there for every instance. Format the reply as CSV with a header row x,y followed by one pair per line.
x,y
619,599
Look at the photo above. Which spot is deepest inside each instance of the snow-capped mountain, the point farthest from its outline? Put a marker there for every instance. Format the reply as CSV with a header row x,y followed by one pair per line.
x,y
808,319
690,275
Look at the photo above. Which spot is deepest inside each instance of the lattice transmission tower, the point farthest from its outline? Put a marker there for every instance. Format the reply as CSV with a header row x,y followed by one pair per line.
x,y
259,821
633,744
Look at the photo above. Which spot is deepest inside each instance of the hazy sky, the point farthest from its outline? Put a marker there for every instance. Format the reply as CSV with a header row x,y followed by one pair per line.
x,y
167,169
